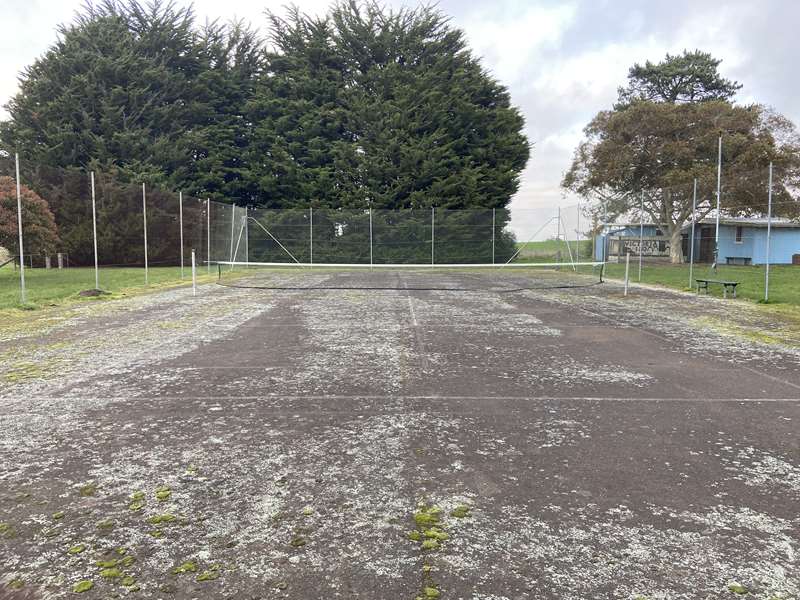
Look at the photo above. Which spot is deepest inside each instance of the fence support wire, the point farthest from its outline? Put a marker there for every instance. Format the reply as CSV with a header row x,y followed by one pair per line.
x,y
94,236
22,294
769,235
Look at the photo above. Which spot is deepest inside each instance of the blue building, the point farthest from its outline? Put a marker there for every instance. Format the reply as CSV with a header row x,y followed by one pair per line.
x,y
742,241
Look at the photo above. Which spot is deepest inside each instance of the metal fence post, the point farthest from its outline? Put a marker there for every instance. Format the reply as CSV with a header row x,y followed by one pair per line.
x,y
641,233
246,236
311,235
719,199
194,274
144,216
370,236
494,227
769,235
180,221
94,235
691,247
208,234
22,292
433,234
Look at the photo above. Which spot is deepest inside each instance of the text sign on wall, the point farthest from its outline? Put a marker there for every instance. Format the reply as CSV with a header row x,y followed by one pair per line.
x,y
650,246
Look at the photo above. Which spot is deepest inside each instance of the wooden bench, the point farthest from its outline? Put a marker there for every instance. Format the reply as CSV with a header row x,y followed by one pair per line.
x,y
726,285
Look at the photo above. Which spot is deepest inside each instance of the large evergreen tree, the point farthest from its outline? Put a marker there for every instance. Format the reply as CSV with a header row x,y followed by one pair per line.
x,y
368,107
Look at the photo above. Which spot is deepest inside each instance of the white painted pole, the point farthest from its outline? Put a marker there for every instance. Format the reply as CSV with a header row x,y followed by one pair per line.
x,y
144,216
691,249
627,269
311,236
370,236
94,235
194,274
208,234
180,221
641,234
494,226
233,229
578,235
719,199
433,234
769,235
246,237
22,292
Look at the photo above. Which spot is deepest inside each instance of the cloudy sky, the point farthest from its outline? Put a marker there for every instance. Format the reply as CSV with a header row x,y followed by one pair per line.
x,y
562,61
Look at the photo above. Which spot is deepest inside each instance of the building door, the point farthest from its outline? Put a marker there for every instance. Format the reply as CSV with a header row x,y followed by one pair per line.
x,y
707,237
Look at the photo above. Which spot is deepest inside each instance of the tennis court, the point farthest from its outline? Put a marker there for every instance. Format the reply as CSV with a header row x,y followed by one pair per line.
x,y
401,433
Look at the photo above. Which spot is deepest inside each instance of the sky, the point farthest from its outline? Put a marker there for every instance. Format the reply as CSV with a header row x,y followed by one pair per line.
x,y
561,61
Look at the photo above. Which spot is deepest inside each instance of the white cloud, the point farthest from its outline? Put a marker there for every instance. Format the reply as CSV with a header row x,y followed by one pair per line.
x,y
510,42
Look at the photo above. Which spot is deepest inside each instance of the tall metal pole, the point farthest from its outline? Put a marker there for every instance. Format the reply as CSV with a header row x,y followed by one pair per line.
x,y
494,226
311,235
94,235
769,235
180,221
22,292
194,274
144,216
208,234
719,196
691,249
246,237
370,236
578,235
641,234
433,233
233,230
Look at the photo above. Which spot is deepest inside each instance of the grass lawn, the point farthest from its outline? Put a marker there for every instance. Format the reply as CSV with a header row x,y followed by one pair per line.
x,y
54,286
784,280
547,250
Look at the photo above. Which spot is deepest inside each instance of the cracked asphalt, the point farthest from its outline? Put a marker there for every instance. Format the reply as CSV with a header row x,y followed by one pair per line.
x,y
554,442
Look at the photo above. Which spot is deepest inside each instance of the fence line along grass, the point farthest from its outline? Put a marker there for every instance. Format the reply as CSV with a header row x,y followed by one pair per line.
x,y
46,287
784,280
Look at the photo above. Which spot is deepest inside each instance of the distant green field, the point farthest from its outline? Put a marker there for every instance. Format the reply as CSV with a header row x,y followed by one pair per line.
x,y
784,280
54,286
548,250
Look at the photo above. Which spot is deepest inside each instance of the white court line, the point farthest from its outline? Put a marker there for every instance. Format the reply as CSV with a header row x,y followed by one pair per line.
x,y
412,397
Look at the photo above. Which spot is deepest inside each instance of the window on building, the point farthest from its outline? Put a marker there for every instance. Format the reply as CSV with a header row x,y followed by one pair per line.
x,y
739,234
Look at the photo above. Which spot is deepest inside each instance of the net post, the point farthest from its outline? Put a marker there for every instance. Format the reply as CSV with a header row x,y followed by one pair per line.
x,y
94,236
311,235
691,249
194,274
208,235
769,236
627,269
22,291
144,216
180,222
246,236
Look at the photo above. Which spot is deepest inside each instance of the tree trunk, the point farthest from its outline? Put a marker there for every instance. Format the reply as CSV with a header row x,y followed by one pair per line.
x,y
675,244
